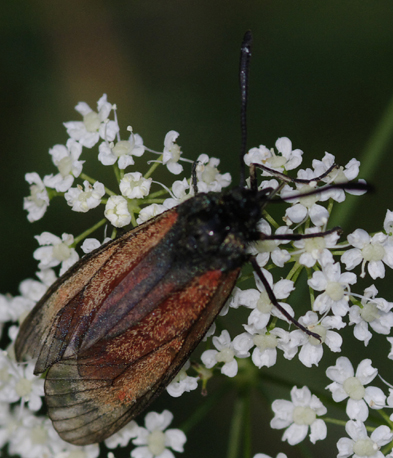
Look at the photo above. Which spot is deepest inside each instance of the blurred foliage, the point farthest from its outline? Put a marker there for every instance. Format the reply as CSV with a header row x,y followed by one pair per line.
x,y
321,74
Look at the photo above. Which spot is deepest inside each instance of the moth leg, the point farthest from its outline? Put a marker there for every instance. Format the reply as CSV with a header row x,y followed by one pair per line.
x,y
274,301
300,236
297,195
289,179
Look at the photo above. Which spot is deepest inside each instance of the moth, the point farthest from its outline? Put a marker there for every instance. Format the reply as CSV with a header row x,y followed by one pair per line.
x,y
116,328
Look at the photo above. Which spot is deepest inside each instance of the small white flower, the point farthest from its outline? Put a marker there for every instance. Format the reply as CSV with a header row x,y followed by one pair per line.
x,y
122,151
55,251
286,159
182,382
90,245
258,155
19,306
47,276
134,186
38,201
246,297
312,349
8,423
348,384
335,287
316,248
149,212
154,440
210,332
338,175
263,307
299,415
65,159
360,445
30,437
32,289
5,302
390,340
374,312
303,207
373,251
116,210
388,223
17,381
172,153
34,437
262,455
94,124
266,344
209,178
123,437
270,248
179,193
225,353
84,200
271,184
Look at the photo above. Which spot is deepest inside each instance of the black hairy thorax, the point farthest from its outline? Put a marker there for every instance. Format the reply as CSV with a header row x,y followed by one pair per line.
x,y
216,228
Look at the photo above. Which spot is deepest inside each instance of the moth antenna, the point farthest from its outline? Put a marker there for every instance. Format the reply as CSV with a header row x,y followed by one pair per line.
x,y
245,56
274,301
194,179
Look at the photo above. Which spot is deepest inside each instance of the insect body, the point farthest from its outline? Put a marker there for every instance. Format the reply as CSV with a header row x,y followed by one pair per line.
x,y
116,328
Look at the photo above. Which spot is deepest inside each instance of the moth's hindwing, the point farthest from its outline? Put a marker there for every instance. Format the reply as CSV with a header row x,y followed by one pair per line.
x,y
93,395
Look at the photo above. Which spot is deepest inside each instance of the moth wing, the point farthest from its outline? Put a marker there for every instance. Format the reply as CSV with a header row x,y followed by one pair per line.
x,y
94,395
50,325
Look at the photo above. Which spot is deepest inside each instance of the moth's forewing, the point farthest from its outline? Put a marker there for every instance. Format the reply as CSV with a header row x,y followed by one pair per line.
x,y
69,304
120,325
93,395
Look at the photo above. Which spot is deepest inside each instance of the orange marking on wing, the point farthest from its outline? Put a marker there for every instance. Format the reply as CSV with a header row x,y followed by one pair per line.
x,y
173,317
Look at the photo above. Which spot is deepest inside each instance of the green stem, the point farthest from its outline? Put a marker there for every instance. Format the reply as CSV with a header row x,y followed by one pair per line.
x,y
311,291
338,253
87,178
372,155
158,193
151,201
271,220
247,427
330,206
236,427
89,231
133,219
292,272
387,448
334,421
116,172
385,417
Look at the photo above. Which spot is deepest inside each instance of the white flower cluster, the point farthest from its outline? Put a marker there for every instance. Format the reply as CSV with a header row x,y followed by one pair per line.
x,y
331,267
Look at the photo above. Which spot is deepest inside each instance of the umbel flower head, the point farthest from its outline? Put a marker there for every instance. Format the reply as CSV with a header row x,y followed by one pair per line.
x,y
255,330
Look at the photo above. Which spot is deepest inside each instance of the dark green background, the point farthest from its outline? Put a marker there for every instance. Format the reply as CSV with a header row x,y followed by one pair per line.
x,y
321,74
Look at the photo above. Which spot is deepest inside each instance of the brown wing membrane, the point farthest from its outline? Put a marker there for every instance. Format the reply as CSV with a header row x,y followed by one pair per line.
x,y
93,395
51,324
